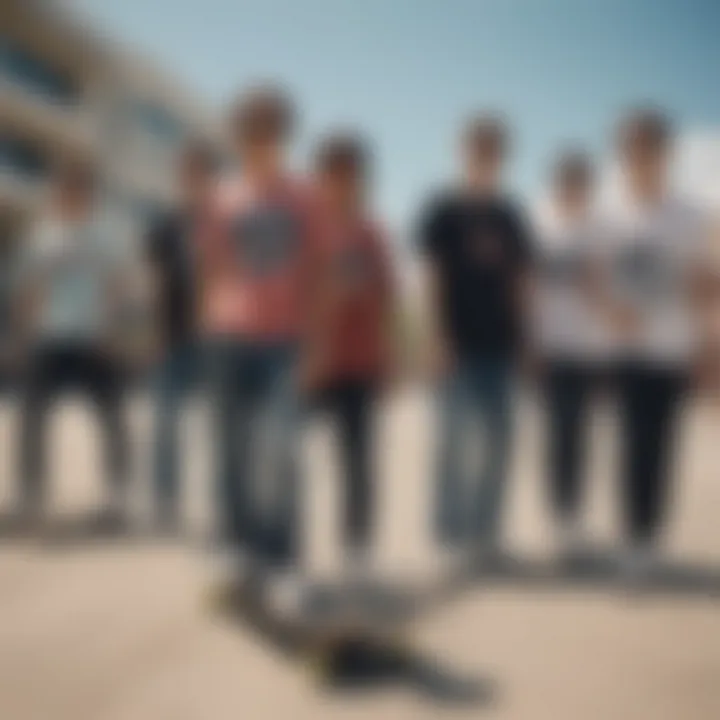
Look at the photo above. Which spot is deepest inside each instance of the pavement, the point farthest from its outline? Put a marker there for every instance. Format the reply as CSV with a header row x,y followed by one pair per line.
x,y
94,629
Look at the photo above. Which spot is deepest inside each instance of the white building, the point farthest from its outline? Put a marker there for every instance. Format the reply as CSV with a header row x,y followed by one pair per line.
x,y
65,90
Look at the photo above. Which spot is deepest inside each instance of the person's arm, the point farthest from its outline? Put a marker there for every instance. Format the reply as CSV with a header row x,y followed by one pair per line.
x,y
704,296
123,283
525,288
387,298
28,278
155,257
440,354
320,298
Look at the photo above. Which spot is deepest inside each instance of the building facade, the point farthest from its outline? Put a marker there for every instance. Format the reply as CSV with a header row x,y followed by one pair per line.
x,y
66,91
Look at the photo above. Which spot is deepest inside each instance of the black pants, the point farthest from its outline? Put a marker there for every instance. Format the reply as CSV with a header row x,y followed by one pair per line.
x,y
350,405
568,390
53,369
650,402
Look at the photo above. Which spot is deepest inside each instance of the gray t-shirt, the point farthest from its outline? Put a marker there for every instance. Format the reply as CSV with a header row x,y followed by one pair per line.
x,y
75,268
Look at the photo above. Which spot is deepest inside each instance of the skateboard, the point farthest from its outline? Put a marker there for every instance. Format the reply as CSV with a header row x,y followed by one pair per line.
x,y
340,634
360,632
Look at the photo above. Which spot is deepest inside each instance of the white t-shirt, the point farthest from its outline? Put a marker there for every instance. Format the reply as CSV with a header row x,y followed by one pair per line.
x,y
566,324
74,266
654,253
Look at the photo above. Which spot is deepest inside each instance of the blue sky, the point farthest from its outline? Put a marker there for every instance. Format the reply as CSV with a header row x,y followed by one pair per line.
x,y
407,71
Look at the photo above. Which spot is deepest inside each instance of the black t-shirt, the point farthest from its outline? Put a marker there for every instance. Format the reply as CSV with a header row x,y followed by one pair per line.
x,y
172,255
480,248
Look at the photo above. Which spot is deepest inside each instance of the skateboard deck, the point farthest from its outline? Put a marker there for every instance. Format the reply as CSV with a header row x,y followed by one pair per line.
x,y
336,633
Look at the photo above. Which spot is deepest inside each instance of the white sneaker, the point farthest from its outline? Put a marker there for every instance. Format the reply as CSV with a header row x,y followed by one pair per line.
x,y
573,543
229,566
30,519
358,568
638,563
285,592
489,558
449,560
112,519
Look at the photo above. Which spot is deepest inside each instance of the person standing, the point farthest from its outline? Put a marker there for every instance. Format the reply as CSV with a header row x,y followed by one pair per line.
x,y
172,249
353,342
660,245
257,266
570,335
478,254
69,295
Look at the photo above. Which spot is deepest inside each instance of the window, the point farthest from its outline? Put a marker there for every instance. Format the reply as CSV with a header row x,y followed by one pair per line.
x,y
34,74
20,157
140,212
159,123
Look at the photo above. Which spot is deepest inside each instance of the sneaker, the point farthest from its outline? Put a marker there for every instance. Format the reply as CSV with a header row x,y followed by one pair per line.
x,y
490,558
167,523
111,520
573,545
30,520
450,560
357,570
230,565
231,579
285,593
638,563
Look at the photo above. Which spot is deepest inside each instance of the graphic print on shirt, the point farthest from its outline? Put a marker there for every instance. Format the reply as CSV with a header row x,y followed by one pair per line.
x,y
485,248
646,271
353,268
265,241
567,268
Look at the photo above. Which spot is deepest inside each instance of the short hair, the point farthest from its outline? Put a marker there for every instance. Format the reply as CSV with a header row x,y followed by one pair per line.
x,y
263,110
75,174
344,151
199,154
487,134
573,167
649,127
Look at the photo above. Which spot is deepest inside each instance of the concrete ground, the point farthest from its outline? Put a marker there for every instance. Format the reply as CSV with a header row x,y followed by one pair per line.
x,y
96,630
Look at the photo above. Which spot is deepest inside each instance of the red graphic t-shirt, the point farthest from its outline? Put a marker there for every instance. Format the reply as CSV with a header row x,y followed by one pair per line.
x,y
360,289
257,257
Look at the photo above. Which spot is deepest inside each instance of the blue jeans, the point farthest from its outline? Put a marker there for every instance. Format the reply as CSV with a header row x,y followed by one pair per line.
x,y
475,395
257,411
177,376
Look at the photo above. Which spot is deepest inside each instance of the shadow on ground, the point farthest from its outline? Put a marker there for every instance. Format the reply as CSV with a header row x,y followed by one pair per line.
x,y
354,662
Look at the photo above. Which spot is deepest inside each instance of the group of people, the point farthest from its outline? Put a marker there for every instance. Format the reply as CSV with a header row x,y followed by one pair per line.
x,y
279,294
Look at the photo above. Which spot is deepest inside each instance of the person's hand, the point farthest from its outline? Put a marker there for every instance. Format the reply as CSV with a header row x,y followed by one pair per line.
x,y
151,353
391,373
12,355
626,321
530,365
310,372
705,378
441,361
